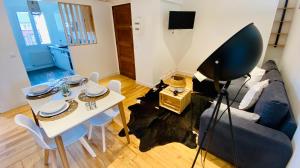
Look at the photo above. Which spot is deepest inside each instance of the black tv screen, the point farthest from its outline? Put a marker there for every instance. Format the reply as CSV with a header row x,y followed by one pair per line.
x,y
181,19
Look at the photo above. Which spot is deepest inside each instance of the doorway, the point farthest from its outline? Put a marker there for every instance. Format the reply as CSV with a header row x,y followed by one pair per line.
x,y
40,37
124,39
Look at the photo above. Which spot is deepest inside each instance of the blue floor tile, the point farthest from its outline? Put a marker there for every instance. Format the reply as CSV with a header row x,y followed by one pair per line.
x,y
44,75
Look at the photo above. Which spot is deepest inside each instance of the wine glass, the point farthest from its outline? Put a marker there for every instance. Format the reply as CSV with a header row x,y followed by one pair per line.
x,y
83,86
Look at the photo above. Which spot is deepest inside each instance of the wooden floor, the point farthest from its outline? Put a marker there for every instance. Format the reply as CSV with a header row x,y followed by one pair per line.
x,y
18,149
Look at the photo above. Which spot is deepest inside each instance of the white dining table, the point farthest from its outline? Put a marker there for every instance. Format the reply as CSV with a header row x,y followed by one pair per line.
x,y
54,129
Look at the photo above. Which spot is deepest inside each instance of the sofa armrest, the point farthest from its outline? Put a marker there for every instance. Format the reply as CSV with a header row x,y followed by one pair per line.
x,y
256,145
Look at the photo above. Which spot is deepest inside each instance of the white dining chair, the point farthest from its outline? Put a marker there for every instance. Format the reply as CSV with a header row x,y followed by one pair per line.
x,y
107,116
94,76
69,137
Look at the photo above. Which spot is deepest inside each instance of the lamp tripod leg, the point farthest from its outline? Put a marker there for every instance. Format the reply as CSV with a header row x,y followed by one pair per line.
x,y
231,131
211,132
196,157
214,115
213,121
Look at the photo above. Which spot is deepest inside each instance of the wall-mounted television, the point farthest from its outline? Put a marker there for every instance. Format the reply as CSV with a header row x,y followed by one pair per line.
x,y
181,19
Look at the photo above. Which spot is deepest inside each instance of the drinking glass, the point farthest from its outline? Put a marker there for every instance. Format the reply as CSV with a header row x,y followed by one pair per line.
x,y
82,86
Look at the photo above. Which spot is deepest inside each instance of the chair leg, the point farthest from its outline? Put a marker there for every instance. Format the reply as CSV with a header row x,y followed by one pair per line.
x,y
87,147
53,158
90,132
103,138
46,156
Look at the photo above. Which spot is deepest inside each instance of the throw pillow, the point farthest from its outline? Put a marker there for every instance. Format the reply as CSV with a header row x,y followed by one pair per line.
x,y
273,105
252,117
252,95
256,75
199,76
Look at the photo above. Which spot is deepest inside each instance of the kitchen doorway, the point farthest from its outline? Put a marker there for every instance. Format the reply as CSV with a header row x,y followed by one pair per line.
x,y
39,34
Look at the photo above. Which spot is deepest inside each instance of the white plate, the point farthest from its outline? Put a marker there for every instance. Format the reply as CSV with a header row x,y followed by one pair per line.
x,y
95,90
74,79
54,114
96,95
38,94
53,106
40,89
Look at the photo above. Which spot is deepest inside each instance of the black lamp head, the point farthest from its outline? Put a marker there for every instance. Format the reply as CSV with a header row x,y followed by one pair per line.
x,y
236,57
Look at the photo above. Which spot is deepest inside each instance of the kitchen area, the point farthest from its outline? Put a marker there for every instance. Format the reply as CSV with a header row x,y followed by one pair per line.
x,y
41,40
61,67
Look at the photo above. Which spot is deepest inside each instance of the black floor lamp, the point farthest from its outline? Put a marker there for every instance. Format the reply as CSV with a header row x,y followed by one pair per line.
x,y
234,59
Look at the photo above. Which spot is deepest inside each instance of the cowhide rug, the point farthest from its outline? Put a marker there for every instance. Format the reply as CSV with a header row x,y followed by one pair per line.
x,y
155,126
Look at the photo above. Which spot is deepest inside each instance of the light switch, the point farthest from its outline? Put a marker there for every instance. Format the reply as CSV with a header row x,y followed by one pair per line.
x,y
137,24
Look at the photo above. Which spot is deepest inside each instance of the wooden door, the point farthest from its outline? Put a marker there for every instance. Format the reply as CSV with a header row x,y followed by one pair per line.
x,y
124,39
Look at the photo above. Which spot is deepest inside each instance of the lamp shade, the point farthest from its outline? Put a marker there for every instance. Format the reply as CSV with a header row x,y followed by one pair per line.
x,y
236,57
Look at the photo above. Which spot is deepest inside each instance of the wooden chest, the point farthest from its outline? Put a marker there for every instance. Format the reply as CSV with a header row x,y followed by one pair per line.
x,y
178,103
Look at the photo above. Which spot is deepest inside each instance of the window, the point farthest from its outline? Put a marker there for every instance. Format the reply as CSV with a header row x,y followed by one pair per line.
x,y
26,28
42,29
78,23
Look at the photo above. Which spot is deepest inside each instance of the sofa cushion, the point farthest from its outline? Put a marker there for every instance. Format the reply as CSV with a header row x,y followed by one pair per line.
x,y
252,117
270,65
273,105
272,75
234,87
253,95
233,104
256,75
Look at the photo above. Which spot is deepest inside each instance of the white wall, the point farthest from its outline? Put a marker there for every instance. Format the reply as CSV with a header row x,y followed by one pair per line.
x,y
142,11
156,48
169,45
290,71
100,57
12,71
273,53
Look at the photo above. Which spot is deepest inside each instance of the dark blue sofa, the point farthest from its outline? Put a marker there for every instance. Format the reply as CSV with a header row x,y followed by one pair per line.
x,y
266,143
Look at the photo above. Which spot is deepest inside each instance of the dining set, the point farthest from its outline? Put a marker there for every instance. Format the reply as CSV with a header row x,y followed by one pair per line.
x,y
66,110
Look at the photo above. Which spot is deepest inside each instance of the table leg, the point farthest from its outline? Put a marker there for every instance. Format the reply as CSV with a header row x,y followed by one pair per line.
x,y
61,150
122,113
35,119
46,156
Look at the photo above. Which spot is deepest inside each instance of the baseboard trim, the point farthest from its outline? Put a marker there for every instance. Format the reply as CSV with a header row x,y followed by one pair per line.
x,y
108,75
145,84
12,107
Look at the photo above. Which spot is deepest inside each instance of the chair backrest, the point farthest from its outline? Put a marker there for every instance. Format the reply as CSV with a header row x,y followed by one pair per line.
x,y
27,123
94,77
115,85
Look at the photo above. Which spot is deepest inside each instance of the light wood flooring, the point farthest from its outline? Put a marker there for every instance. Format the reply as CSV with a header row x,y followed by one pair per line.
x,y
18,149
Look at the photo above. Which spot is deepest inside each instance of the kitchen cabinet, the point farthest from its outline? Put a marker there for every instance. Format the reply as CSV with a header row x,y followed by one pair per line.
x,y
61,58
